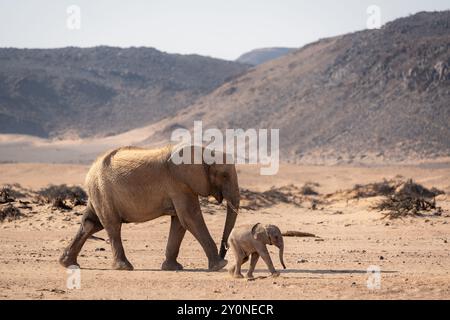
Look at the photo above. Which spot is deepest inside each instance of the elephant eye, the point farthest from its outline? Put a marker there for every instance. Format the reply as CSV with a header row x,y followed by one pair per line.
x,y
225,175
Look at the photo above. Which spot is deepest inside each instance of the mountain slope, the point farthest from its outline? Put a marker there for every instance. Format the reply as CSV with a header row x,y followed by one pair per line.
x,y
259,56
101,90
376,94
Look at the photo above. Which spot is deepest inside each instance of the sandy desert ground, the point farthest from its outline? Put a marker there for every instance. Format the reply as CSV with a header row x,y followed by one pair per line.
x,y
413,253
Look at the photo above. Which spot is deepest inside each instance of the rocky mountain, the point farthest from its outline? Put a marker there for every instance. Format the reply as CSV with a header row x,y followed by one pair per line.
x,y
259,56
100,90
370,95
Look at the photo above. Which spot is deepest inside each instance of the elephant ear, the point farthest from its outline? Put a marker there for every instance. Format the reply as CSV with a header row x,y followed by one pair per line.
x,y
260,233
195,176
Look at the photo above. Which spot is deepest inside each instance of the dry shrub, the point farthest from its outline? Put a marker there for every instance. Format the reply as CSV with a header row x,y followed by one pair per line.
x,y
11,192
5,196
9,212
60,195
410,199
383,188
253,200
308,189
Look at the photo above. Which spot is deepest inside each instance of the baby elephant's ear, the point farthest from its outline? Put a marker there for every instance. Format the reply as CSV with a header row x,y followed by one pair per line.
x,y
260,233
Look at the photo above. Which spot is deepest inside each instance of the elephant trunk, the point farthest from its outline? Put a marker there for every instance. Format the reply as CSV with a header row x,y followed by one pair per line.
x,y
281,247
232,211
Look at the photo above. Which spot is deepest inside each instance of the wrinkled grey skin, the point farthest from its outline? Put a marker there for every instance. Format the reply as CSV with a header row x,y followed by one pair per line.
x,y
137,185
251,241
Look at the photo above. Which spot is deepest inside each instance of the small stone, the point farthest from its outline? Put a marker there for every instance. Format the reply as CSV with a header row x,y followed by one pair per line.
x,y
381,258
100,249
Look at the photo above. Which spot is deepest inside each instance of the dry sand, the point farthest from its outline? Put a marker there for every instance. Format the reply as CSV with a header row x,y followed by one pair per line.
x,y
413,254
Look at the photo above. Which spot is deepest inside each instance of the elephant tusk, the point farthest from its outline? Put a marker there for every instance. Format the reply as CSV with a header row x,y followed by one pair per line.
x,y
232,207
225,245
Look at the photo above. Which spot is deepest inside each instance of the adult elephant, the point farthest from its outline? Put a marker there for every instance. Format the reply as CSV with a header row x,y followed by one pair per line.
x,y
136,185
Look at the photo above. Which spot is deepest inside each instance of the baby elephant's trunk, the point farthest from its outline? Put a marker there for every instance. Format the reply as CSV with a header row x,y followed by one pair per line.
x,y
281,247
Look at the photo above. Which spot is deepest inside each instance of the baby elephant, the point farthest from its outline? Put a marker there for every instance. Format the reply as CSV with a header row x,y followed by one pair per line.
x,y
247,240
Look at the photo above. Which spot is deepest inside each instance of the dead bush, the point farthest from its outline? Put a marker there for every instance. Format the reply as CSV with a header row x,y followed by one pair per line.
x,y
5,195
60,195
308,189
409,199
383,188
253,200
8,212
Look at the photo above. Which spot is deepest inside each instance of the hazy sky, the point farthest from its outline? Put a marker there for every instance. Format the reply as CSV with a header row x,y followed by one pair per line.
x,y
218,28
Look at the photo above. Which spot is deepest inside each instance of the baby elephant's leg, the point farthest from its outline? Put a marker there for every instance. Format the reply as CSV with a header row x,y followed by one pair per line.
x,y
235,269
253,261
264,253
239,261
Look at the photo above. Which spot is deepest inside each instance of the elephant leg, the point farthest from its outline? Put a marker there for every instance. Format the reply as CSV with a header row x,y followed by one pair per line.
x,y
190,215
237,271
120,260
90,224
253,261
264,253
176,235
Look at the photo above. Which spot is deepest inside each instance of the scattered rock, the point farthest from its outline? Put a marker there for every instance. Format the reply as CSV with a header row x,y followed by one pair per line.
x,y
298,234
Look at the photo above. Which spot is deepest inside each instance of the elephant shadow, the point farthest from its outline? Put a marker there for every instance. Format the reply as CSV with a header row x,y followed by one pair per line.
x,y
156,270
330,271
287,271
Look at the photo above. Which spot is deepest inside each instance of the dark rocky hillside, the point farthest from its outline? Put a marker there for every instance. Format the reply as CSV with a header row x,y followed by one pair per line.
x,y
100,90
375,94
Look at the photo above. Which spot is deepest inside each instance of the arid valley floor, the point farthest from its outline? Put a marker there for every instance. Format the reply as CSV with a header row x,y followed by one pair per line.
x,y
413,253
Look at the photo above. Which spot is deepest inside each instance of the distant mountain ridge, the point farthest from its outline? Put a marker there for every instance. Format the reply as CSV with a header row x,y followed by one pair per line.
x,y
100,90
367,96
259,56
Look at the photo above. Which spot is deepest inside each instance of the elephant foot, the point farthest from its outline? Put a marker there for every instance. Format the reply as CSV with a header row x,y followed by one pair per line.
x,y
122,265
238,276
171,266
218,265
67,261
275,274
250,276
